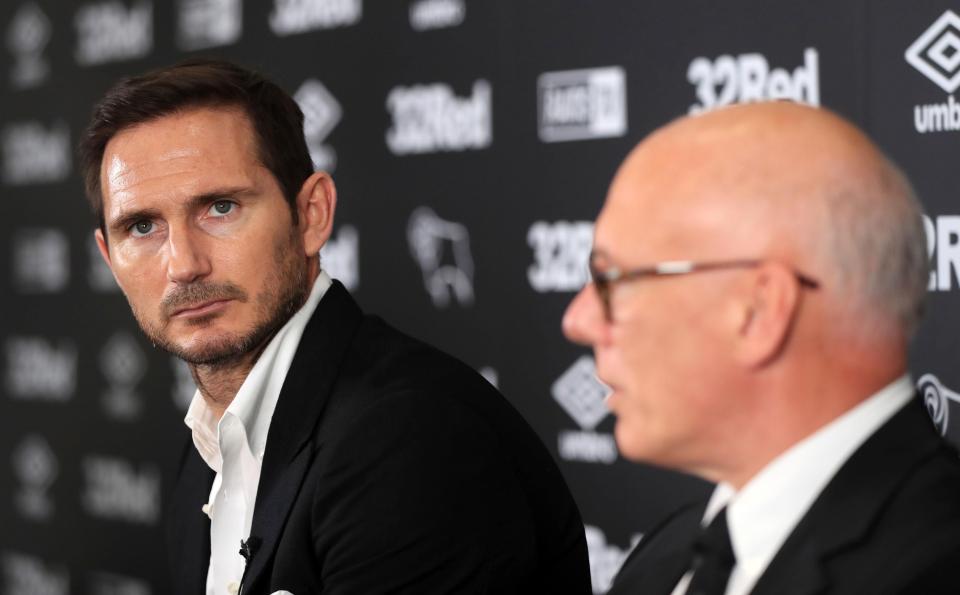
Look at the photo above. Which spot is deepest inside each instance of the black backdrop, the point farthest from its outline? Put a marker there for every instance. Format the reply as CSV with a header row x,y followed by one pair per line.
x,y
472,143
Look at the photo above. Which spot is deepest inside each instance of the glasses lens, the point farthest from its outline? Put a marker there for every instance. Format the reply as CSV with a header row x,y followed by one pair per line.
x,y
603,292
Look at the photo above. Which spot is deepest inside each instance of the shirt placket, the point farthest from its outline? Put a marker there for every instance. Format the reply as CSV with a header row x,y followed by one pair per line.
x,y
229,511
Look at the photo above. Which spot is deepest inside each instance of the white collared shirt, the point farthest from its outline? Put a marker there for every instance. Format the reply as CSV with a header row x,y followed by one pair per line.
x,y
233,446
765,511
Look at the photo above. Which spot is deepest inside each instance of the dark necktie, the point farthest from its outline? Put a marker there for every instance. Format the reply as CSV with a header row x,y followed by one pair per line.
x,y
713,558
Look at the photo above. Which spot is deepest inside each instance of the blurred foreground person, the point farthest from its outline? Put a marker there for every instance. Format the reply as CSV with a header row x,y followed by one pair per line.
x,y
331,454
757,274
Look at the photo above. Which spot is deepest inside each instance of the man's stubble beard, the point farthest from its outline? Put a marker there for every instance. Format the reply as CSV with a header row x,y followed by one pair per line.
x,y
284,292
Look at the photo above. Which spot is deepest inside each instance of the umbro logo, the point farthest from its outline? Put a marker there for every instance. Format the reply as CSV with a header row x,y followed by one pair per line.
x,y
36,468
321,113
936,53
123,365
580,394
27,37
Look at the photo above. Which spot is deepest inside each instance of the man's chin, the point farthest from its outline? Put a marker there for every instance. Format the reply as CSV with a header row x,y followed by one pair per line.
x,y
632,441
210,351
210,347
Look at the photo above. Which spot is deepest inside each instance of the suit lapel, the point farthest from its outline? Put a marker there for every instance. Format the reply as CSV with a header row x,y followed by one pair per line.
x,y
662,556
189,537
290,446
851,502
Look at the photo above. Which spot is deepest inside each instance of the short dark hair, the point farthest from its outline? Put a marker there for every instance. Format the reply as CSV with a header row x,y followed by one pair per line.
x,y
276,118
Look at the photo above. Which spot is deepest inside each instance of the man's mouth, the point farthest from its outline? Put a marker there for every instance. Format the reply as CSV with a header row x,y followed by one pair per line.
x,y
608,388
200,309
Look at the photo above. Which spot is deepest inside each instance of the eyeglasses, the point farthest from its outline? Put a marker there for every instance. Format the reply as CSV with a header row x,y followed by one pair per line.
x,y
605,279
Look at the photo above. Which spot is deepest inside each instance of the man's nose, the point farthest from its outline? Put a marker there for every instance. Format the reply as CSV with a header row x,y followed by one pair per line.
x,y
187,259
583,322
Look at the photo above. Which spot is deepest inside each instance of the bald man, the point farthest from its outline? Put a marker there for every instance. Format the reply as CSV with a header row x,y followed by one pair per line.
x,y
757,274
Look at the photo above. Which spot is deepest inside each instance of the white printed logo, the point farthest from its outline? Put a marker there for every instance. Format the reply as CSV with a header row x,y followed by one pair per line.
x,y
98,274
114,489
108,31
582,396
442,249
937,398
298,16
38,370
582,104
41,261
937,117
26,575
183,385
27,37
34,154
340,257
208,23
321,113
560,253
436,14
936,54
112,584
605,558
431,118
123,365
943,250
748,77
36,468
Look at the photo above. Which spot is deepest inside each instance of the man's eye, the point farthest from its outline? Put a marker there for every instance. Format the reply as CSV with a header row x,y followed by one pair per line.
x,y
141,228
221,208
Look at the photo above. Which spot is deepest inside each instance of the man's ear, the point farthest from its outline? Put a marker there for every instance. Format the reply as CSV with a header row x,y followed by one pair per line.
x,y
316,204
102,245
766,314
104,251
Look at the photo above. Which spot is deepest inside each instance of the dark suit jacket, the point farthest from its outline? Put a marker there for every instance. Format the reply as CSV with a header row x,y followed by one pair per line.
x,y
888,522
391,468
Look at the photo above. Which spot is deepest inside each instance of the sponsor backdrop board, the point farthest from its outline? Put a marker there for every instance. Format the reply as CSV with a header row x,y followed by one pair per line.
x,y
472,143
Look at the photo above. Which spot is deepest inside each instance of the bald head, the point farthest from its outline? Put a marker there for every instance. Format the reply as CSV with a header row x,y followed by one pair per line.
x,y
797,183
809,267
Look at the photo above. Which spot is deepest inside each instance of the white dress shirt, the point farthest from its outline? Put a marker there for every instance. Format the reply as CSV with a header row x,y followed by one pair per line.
x,y
765,511
233,446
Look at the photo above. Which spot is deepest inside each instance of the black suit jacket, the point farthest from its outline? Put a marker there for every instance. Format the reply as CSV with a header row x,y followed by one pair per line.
x,y
888,522
390,468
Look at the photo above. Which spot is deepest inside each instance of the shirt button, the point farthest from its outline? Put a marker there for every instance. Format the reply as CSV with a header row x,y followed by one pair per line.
x,y
206,509
233,587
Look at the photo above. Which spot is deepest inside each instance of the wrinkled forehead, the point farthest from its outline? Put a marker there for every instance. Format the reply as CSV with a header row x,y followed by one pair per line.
x,y
210,130
197,143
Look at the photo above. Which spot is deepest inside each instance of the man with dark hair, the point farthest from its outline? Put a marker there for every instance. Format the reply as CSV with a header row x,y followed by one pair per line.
x,y
331,454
